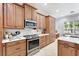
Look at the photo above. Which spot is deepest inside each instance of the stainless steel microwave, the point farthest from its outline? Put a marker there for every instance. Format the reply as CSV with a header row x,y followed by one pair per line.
x,y
30,24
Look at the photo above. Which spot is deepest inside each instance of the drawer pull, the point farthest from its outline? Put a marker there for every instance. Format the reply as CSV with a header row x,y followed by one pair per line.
x,y
17,48
66,46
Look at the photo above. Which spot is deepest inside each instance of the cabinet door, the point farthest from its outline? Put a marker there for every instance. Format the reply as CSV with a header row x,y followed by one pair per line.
x,y
33,13
38,20
42,42
42,21
9,15
27,12
64,50
77,52
19,13
1,15
1,37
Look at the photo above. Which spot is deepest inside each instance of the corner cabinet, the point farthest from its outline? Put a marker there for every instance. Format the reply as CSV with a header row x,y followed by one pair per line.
x,y
12,18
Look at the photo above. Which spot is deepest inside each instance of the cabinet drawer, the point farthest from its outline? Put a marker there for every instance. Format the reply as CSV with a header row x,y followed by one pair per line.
x,y
67,43
10,49
20,53
77,46
15,43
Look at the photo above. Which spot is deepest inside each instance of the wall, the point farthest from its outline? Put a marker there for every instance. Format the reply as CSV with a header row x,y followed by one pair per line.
x,y
25,31
60,22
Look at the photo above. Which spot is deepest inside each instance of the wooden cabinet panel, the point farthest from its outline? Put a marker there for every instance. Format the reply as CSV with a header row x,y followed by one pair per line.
x,y
20,53
30,12
13,16
66,50
40,21
1,15
19,13
43,41
9,15
50,27
1,37
33,14
27,12
15,47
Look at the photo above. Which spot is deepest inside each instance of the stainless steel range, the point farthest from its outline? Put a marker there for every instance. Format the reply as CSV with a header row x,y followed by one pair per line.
x,y
32,44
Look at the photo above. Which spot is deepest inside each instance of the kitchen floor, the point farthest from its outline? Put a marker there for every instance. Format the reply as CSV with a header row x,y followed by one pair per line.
x,y
50,50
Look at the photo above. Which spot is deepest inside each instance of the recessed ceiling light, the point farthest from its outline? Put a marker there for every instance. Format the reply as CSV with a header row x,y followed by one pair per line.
x,y
45,4
72,11
57,10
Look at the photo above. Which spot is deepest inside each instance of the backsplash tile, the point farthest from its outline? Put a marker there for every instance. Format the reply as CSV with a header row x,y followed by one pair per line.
x,y
23,31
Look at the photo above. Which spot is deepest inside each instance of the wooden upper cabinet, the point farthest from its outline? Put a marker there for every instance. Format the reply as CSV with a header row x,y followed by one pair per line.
x,y
1,27
1,15
50,27
33,13
19,13
13,16
40,21
30,12
9,15
27,12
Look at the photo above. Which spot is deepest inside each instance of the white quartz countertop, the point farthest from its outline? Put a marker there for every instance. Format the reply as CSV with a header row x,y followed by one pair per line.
x,y
69,39
19,38
12,40
44,34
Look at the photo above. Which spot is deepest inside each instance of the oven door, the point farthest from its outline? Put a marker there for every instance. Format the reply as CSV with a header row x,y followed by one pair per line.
x,y
32,45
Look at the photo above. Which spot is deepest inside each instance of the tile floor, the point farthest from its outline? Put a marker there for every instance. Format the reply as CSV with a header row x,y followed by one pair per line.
x,y
50,50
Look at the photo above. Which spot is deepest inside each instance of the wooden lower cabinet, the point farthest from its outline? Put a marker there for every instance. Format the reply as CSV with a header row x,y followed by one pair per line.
x,y
17,48
66,48
77,52
1,37
20,53
44,41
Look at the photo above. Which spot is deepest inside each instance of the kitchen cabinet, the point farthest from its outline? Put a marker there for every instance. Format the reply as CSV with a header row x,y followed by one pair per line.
x,y
1,37
17,48
42,42
13,16
40,21
66,48
50,27
30,12
77,49
27,12
1,15
19,13
9,16
1,27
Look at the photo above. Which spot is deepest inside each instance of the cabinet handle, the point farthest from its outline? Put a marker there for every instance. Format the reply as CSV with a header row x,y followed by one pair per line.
x,y
17,48
66,46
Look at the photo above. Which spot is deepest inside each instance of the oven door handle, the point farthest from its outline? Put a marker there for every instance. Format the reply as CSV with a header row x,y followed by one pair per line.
x,y
32,39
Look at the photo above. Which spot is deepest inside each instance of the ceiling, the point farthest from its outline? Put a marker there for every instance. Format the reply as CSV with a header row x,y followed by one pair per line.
x,y
57,10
